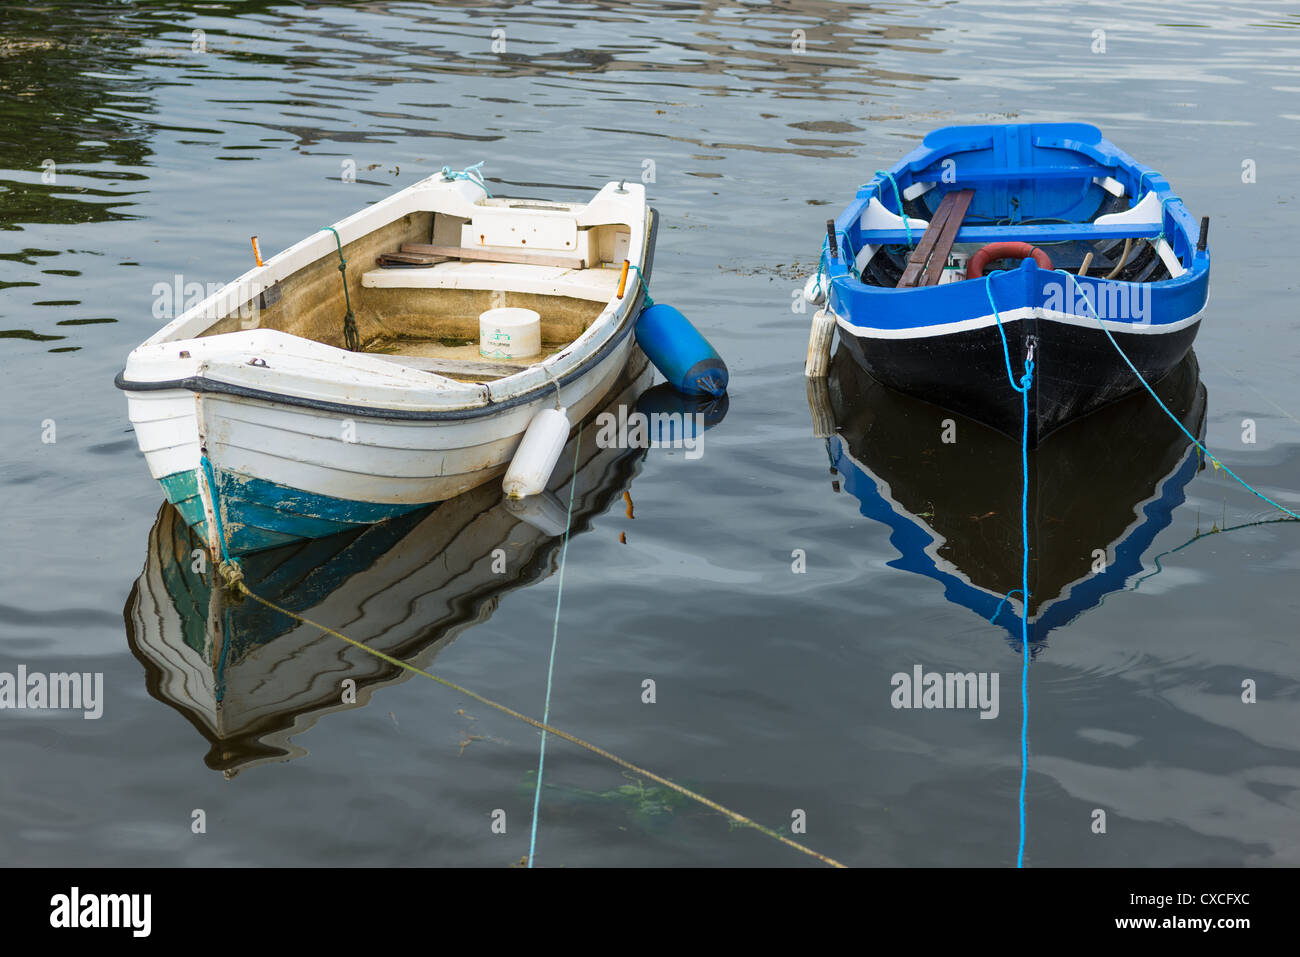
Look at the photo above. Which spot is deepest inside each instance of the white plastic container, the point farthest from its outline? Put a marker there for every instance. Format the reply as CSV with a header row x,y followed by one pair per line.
x,y
509,333
537,454
954,270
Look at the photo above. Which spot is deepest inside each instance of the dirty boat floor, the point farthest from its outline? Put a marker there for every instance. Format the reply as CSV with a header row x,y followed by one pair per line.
x,y
456,358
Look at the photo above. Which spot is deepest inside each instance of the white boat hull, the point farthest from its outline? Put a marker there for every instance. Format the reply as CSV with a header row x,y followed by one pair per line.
x,y
260,437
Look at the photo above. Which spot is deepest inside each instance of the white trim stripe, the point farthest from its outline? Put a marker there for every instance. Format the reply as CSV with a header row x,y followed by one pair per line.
x,y
1016,315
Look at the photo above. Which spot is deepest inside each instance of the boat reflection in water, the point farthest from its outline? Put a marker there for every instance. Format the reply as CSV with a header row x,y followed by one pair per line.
x,y
1100,490
251,679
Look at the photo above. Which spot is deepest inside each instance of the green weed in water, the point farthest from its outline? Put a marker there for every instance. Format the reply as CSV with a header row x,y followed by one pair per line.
x,y
646,804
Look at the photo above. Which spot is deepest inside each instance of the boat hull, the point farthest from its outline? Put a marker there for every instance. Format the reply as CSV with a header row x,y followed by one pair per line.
x,y
1077,369
262,435
285,472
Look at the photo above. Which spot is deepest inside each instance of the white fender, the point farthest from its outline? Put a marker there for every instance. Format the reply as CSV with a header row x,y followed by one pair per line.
x,y
537,454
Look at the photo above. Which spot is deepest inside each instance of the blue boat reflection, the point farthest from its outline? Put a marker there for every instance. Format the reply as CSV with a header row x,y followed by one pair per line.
x,y
949,488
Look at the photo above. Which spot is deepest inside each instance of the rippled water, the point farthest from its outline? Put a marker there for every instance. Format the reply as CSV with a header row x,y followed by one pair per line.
x,y
773,688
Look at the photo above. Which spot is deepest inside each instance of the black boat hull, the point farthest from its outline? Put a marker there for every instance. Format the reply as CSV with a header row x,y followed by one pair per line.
x,y
1076,369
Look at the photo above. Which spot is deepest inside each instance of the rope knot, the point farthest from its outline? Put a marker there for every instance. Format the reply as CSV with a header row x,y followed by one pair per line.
x,y
231,573
471,173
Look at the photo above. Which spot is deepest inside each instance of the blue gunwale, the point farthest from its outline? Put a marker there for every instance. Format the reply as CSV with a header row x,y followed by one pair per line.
x,y
1051,152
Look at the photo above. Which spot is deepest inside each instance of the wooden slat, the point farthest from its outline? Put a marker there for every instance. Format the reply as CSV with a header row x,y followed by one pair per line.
x,y
951,211
939,257
921,254
491,255
399,260
460,367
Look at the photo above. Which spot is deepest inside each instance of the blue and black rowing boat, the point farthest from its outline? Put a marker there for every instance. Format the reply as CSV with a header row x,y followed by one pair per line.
x,y
989,246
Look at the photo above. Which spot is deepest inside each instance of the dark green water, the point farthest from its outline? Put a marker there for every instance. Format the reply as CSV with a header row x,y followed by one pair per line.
x,y
773,688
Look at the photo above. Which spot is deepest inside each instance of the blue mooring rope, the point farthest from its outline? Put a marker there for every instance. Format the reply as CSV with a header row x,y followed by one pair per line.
x,y
1005,598
1217,464
1142,179
1026,381
216,508
1023,388
471,173
846,253
1164,202
555,637
898,198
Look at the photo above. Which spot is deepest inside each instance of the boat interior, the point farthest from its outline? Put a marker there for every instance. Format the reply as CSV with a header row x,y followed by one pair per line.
x,y
1130,259
990,195
416,289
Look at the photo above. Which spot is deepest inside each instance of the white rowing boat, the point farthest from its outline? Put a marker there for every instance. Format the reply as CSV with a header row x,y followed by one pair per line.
x,y
264,427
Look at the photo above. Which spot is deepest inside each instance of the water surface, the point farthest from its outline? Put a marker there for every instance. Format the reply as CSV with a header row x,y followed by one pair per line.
x,y
773,688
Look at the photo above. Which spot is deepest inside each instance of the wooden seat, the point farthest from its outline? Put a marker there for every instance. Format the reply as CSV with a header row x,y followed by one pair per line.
x,y
931,253
592,285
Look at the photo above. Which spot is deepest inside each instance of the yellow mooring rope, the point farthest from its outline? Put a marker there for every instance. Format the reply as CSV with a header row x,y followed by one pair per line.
x,y
235,581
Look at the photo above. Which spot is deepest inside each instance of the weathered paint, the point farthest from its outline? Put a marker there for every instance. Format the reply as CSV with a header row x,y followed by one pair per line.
x,y
257,514
182,490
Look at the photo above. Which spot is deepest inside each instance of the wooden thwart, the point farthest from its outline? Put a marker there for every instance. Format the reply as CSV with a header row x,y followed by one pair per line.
x,y
496,256
400,260
928,258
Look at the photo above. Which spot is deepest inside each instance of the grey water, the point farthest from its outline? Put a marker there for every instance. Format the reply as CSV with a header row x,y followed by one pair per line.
x,y
144,141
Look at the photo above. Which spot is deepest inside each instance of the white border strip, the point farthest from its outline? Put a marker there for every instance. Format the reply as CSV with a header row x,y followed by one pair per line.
x,y
1016,315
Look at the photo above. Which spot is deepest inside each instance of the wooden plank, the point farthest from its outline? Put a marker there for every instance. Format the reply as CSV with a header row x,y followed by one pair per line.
x,y
939,257
951,212
490,255
399,260
1030,234
469,368
921,254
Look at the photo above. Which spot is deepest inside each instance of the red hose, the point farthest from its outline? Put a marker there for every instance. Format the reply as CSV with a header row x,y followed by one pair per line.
x,y
1009,250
